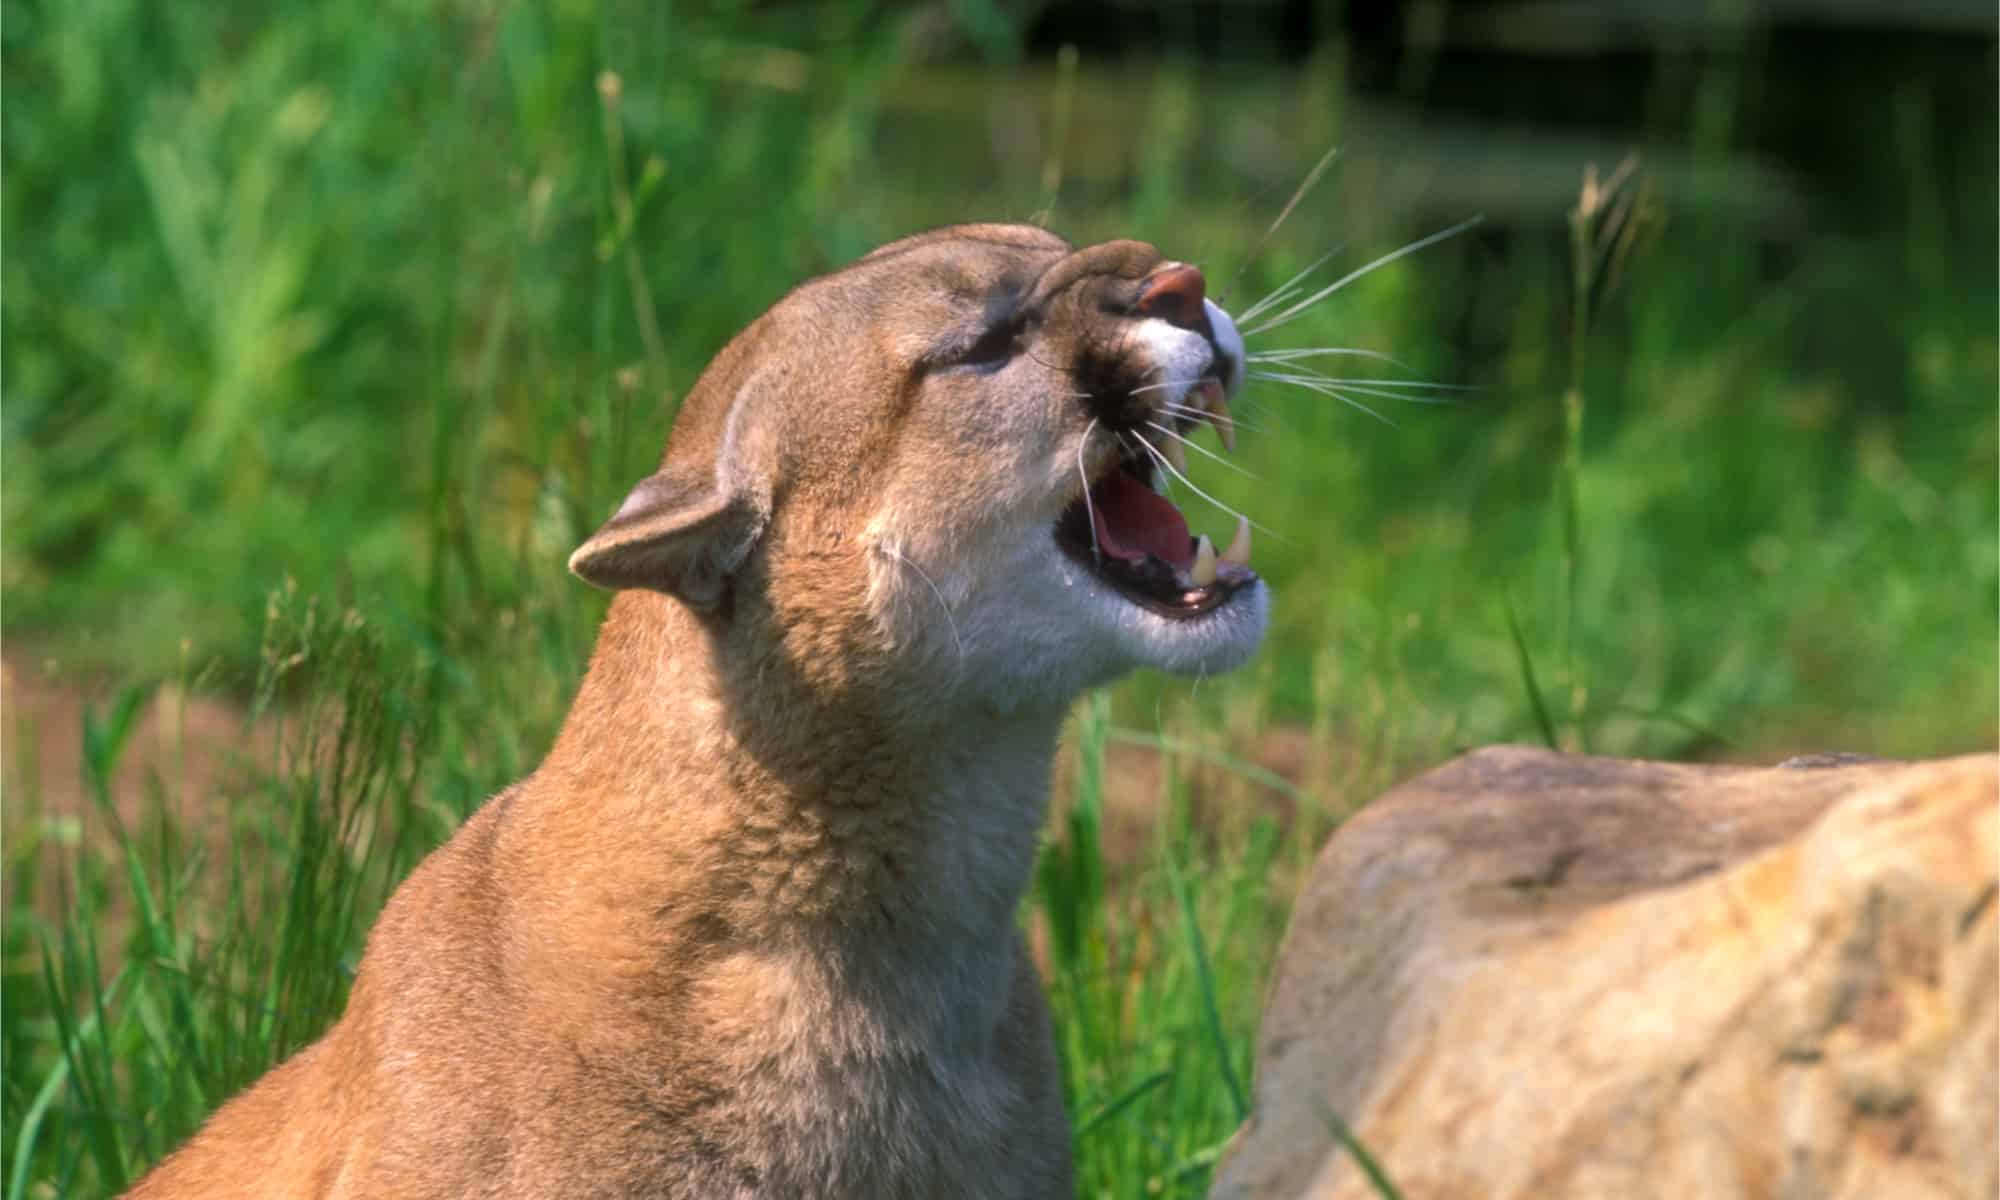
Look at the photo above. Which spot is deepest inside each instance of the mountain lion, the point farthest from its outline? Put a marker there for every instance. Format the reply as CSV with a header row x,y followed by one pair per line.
x,y
750,929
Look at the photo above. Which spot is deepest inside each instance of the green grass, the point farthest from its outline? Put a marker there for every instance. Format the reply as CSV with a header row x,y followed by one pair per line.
x,y
330,328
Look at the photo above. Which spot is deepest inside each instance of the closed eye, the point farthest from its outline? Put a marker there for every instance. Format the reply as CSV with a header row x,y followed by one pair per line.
x,y
994,347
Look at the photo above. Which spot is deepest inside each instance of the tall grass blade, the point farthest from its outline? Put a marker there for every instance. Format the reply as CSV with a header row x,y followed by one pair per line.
x,y
1680,721
1201,1160
1305,186
1228,762
1342,1133
1119,1104
1211,1010
1526,663
31,1127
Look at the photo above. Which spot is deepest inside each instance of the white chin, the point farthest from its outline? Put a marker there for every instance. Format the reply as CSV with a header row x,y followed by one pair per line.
x,y
1217,641
1033,628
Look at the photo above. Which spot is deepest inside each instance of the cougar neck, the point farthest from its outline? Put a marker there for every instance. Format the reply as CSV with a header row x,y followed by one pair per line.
x,y
791,791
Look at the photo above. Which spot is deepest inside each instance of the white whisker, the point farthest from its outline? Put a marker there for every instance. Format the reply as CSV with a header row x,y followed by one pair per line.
x,y
1285,290
1090,514
1161,459
1202,450
1202,414
1278,295
1423,385
1127,446
949,619
1262,409
1417,385
1360,387
1305,185
1327,389
1282,294
1289,356
1294,311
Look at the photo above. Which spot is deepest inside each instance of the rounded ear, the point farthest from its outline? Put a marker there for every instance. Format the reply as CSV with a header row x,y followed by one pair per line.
x,y
687,527
672,534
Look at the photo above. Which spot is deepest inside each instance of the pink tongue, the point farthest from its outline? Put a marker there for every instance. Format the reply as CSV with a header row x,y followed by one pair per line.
x,y
1133,521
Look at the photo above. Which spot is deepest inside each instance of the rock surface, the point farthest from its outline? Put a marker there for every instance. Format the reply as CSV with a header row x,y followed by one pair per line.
x,y
1527,974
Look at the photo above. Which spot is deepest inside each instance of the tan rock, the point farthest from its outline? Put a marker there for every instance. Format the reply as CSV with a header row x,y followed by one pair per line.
x,y
1527,974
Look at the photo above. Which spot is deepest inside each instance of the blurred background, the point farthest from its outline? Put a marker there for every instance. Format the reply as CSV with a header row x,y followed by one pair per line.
x,y
391,301
330,327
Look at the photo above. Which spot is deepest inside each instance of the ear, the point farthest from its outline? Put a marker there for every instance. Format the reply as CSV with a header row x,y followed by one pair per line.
x,y
673,534
686,528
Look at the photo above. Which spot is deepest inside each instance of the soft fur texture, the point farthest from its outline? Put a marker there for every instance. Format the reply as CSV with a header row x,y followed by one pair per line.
x,y
750,928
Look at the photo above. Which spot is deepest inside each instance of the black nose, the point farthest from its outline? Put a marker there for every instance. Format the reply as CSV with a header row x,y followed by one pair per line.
x,y
1174,293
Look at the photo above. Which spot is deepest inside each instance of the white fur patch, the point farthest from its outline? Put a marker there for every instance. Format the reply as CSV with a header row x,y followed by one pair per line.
x,y
998,609
1231,343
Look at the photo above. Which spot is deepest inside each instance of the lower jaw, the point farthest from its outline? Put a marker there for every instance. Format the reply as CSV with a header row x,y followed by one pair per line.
x,y
1215,643
1190,605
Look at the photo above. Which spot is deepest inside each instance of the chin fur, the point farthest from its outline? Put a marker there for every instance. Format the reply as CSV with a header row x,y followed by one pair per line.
x,y
1021,626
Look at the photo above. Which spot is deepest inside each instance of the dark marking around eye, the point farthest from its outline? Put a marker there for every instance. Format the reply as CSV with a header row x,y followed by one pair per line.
x,y
1003,303
991,339
995,344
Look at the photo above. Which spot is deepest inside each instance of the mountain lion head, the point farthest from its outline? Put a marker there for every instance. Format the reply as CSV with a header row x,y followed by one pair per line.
x,y
942,471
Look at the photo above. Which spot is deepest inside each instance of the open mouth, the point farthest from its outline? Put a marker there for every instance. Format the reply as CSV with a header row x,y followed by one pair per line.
x,y
1129,535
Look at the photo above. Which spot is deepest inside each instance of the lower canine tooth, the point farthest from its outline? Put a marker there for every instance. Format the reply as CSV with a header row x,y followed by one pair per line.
x,y
1175,455
1239,546
1203,570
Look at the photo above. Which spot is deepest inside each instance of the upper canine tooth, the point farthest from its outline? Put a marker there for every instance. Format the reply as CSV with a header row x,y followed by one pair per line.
x,y
1203,570
1171,447
1220,416
1206,394
1239,546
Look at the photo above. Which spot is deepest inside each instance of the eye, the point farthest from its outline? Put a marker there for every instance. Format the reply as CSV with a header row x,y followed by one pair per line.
x,y
994,347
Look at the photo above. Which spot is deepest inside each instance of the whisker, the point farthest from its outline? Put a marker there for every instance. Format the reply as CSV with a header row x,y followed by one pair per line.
x,y
1090,514
1184,440
1278,295
950,620
1304,371
1306,185
1294,311
1285,290
1127,446
1326,389
1263,409
1286,356
1422,385
1161,459
1292,360
1202,414
1381,389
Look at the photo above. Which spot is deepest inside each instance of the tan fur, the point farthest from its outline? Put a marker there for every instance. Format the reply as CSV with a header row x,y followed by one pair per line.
x,y
750,927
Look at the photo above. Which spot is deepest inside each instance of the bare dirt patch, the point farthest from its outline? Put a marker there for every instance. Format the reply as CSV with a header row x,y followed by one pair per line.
x,y
183,751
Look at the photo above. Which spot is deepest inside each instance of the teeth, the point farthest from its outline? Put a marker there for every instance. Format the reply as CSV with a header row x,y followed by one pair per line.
x,y
1239,546
1158,479
1171,447
1219,416
1203,570
1215,401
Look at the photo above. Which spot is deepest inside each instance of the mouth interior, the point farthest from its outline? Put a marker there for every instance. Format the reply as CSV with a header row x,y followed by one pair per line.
x,y
1132,520
1133,538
